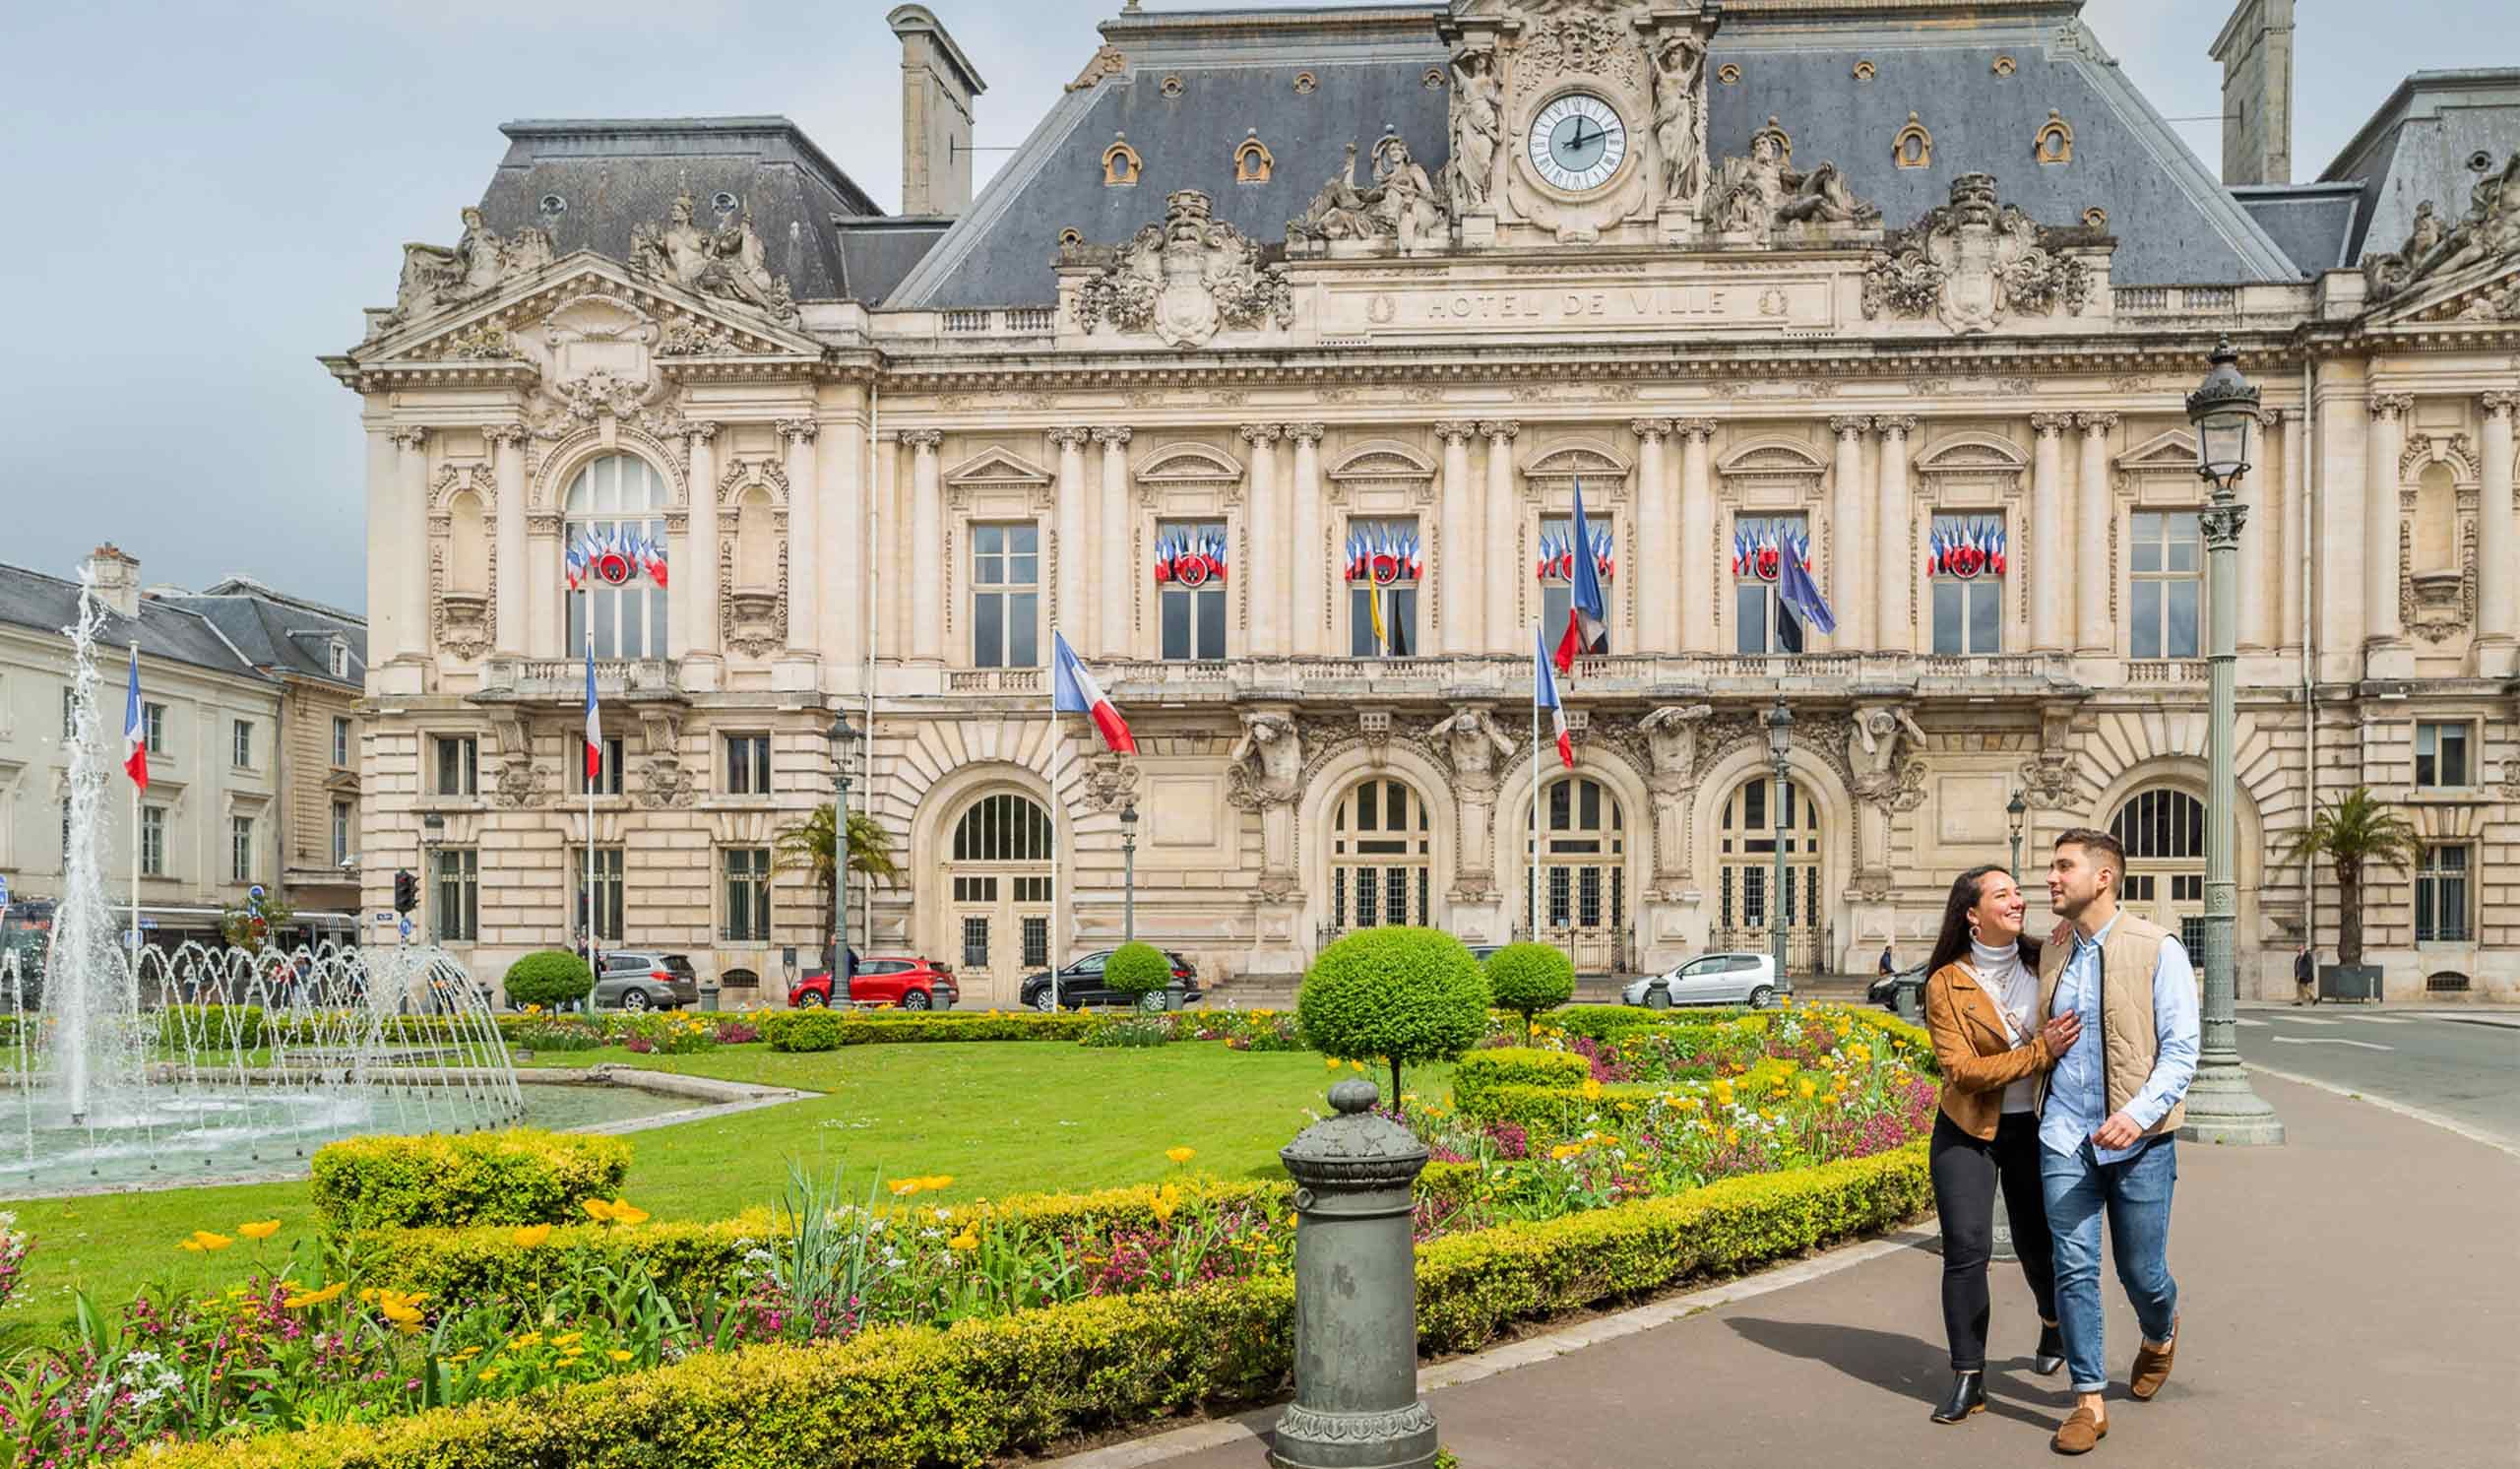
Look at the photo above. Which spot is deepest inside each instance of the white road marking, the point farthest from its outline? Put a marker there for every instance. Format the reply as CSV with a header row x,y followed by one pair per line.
x,y
2380,1020
2306,1020
2330,1041
2252,1024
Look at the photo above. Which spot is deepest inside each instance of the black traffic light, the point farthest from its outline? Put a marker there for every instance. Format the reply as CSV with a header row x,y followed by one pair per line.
x,y
407,892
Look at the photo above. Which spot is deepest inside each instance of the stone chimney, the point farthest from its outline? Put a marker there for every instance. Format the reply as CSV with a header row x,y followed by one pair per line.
x,y
117,579
938,87
2255,49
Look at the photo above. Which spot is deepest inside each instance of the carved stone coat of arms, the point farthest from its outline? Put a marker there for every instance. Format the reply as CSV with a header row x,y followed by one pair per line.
x,y
1185,279
1973,263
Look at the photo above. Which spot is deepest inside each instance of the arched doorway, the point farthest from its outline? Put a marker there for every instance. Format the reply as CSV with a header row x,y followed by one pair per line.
x,y
2164,833
998,889
1581,892
1754,825
1382,865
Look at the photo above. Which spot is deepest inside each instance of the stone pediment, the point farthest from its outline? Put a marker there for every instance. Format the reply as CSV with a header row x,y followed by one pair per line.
x,y
2486,296
570,298
994,467
1187,464
2170,452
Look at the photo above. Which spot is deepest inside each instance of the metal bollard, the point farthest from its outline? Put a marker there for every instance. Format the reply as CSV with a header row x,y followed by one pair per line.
x,y
1357,1403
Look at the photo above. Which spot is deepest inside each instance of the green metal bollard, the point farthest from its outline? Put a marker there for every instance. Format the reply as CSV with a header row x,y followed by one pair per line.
x,y
1357,1403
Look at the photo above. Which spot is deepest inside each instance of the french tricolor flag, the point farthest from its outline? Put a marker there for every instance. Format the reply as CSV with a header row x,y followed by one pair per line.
x,y
135,729
1074,691
594,725
1544,696
1587,611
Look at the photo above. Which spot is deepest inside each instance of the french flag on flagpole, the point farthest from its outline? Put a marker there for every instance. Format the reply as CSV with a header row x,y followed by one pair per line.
x,y
1587,612
1544,695
134,732
594,725
1074,691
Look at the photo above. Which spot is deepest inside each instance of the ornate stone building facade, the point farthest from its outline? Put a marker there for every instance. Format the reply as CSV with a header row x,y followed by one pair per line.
x,y
1911,293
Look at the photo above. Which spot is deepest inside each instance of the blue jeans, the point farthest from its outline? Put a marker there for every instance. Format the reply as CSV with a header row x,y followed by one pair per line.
x,y
2136,1193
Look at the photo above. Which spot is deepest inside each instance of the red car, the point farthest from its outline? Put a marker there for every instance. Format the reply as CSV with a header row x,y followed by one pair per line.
x,y
883,980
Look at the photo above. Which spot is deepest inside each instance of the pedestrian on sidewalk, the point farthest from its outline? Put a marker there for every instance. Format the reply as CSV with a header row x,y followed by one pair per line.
x,y
2109,1118
1982,994
2306,967
1888,965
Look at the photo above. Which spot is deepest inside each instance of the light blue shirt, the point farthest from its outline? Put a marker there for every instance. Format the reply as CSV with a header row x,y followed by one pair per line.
x,y
2077,1094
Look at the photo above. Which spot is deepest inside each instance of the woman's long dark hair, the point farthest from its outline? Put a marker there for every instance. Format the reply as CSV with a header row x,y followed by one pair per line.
x,y
1952,943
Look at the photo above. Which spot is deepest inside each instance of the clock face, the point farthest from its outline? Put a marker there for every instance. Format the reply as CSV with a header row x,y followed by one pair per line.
x,y
1578,142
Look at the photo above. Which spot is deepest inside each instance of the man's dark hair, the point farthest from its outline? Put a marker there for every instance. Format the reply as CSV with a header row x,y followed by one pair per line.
x,y
2098,844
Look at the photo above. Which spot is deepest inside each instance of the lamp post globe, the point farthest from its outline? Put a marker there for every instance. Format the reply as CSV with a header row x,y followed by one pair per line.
x,y
844,737
2221,1106
1780,726
2018,811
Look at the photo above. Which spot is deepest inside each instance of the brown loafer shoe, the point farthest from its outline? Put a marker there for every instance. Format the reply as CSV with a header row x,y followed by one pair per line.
x,y
2079,1434
2152,1369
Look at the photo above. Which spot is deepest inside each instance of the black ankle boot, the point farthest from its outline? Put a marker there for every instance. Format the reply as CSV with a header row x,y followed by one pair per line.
x,y
1968,1395
2050,1358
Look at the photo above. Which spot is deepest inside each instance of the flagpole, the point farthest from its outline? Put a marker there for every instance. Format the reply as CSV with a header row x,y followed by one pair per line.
x,y
1531,903
1058,850
593,952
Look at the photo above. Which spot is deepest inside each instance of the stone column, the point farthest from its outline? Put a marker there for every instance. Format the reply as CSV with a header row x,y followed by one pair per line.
x,y
2094,504
841,517
2050,574
2263,543
1067,612
694,587
2289,572
804,505
1645,547
1464,626
2382,622
384,558
1265,636
1845,536
1307,567
1501,523
926,546
2497,546
507,447
1111,535
411,588
1896,538
1694,578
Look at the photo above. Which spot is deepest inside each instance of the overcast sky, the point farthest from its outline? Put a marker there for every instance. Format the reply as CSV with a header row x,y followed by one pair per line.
x,y
207,192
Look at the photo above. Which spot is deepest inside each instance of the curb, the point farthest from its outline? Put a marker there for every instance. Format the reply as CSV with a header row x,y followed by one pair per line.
x,y
2415,1114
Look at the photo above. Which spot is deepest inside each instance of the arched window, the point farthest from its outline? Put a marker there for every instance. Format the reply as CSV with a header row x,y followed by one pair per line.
x,y
1583,873
1755,824
1003,829
999,879
2164,834
1381,858
617,494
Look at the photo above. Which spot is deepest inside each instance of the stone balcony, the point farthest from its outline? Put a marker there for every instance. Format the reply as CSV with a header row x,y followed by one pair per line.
x,y
563,681
1642,676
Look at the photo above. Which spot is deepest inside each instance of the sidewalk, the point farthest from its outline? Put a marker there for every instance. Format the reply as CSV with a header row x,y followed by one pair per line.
x,y
2352,1298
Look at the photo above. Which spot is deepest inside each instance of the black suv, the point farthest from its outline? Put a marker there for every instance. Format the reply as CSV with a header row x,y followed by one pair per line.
x,y
1080,984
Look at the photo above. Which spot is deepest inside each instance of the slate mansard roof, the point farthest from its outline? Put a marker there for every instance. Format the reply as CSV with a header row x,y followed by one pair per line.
x,y
48,605
2422,145
281,633
1237,69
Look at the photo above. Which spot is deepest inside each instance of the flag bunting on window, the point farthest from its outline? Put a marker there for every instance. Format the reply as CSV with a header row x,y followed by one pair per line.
x,y
1189,558
1558,555
1375,553
613,559
1758,549
1976,549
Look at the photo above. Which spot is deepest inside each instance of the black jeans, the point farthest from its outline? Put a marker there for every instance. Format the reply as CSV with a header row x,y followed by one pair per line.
x,y
1965,1175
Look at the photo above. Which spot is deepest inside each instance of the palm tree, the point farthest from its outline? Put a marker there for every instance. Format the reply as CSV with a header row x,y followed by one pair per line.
x,y
2349,833
807,847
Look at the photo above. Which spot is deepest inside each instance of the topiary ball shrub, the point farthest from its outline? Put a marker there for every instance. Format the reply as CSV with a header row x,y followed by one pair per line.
x,y
548,977
1529,978
1407,995
1138,969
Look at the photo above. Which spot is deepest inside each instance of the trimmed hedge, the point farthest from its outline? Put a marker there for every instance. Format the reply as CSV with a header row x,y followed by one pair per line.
x,y
519,1176
851,1028
1403,995
1548,1109
1528,977
803,1030
1479,1071
548,977
914,1395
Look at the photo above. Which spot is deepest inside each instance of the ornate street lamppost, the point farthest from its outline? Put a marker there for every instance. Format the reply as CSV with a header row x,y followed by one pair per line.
x,y
2220,1107
2017,809
1780,723
432,835
844,737
1129,872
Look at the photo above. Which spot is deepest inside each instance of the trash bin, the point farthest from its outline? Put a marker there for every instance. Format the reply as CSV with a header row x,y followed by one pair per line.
x,y
708,995
1907,1002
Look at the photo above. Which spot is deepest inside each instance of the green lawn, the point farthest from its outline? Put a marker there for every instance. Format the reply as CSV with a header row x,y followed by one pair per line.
x,y
1000,1118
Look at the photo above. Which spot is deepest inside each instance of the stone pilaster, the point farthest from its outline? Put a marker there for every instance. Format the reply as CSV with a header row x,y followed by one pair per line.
x,y
1648,549
1309,564
1265,636
1694,578
1504,524
804,505
1895,624
2049,570
2497,544
1846,535
928,553
1111,535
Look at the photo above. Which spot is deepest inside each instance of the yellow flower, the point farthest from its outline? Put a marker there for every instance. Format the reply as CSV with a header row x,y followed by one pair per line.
x,y
1331,1062
302,1300
568,1339
625,1214
532,1235
619,1355
965,1241
1805,1088
201,1241
259,1229
521,1343
489,1374
1180,1154
904,1188
933,1182
1355,1065
1167,1201
595,1208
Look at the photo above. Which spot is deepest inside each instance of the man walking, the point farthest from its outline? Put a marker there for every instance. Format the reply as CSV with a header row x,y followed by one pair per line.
x,y
2110,1120
2306,965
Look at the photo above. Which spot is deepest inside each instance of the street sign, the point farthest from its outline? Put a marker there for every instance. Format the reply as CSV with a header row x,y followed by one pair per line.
x,y
3,892
406,927
384,920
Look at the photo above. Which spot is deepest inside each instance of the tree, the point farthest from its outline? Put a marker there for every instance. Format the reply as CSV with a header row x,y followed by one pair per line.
x,y
550,978
1138,969
2356,831
1528,977
807,847
1400,995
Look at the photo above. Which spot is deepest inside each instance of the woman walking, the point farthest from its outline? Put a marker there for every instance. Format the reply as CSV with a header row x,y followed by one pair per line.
x,y
1982,993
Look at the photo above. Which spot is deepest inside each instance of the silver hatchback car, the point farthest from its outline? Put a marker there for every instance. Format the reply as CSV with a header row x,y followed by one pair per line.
x,y
1711,979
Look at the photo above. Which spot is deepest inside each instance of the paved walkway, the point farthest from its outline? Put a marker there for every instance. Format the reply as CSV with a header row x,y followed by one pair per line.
x,y
2352,1298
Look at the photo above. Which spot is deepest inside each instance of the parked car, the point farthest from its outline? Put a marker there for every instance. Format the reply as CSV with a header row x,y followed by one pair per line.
x,y
1081,983
1885,989
645,980
1711,979
913,984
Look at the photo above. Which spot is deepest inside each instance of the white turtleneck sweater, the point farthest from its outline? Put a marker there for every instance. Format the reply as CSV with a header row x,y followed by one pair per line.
x,y
2014,988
